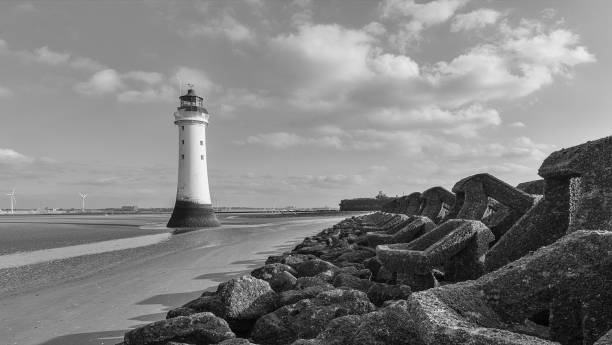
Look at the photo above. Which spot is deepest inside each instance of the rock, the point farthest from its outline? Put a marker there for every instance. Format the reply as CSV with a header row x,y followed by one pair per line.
x,y
313,267
268,271
350,281
180,311
390,325
373,264
306,282
379,293
236,341
568,280
201,328
211,303
308,317
605,340
283,281
357,255
294,296
246,298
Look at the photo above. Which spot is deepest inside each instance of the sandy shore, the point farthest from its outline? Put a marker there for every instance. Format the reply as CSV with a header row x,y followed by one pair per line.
x,y
99,308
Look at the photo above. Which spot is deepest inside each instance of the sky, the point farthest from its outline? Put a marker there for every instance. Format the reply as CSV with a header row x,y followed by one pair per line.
x,y
310,101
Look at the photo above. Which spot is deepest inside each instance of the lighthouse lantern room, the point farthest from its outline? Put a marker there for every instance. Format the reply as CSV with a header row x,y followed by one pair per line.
x,y
193,208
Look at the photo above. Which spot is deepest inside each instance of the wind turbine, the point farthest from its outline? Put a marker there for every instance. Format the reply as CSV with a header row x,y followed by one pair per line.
x,y
11,195
83,197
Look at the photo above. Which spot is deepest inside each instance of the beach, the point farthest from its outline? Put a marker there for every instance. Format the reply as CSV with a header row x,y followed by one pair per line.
x,y
95,298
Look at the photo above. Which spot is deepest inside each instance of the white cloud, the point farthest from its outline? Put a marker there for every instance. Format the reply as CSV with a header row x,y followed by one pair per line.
x,y
9,156
412,18
224,25
5,92
46,55
517,124
477,19
145,77
465,121
103,82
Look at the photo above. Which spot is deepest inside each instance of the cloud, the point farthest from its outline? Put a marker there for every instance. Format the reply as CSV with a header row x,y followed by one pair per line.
x,y
9,156
464,121
5,92
517,124
47,56
103,82
224,25
412,18
477,19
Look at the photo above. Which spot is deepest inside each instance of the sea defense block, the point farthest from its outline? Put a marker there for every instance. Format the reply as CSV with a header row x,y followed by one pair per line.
x,y
532,187
417,226
577,196
479,195
568,281
457,245
433,200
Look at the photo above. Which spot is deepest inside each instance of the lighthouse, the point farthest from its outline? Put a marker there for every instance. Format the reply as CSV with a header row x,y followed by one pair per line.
x,y
193,208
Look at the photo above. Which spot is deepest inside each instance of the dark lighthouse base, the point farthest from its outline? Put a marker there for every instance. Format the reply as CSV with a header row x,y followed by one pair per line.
x,y
188,214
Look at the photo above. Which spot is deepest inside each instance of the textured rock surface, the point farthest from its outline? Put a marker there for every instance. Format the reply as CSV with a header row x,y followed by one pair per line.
x,y
605,340
201,328
532,187
571,276
268,272
311,268
433,200
308,317
456,244
379,293
246,298
418,226
390,325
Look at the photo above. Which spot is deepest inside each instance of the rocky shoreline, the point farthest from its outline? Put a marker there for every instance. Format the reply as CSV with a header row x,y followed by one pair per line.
x,y
485,263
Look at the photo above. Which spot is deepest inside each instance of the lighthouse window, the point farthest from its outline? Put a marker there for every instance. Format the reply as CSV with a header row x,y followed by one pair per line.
x,y
201,142
182,128
183,142
182,156
202,157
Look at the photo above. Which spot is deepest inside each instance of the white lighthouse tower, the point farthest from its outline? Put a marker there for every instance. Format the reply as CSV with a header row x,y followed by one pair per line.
x,y
193,208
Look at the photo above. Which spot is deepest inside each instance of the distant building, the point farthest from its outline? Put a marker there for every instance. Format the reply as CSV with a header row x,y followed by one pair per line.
x,y
129,208
364,204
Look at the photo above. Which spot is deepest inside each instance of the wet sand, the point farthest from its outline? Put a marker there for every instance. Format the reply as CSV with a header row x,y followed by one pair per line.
x,y
106,294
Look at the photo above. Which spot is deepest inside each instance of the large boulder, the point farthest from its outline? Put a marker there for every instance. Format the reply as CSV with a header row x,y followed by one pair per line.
x,y
379,293
308,317
201,328
268,272
311,268
283,281
246,298
345,280
390,325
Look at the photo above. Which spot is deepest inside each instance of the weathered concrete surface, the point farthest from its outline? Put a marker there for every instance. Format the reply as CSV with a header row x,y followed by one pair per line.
x,y
456,244
474,194
418,226
413,203
591,206
577,195
570,277
532,187
433,200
